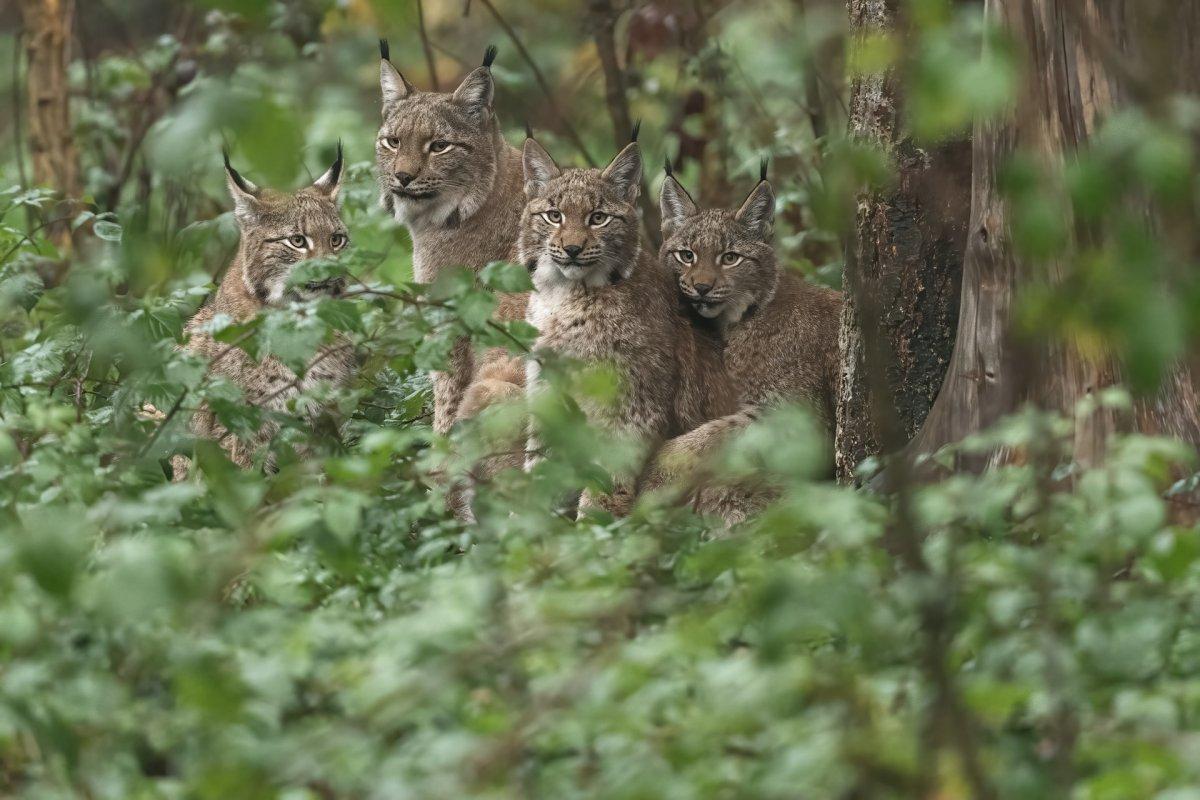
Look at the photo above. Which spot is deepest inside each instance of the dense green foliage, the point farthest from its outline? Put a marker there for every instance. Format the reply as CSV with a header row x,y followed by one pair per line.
x,y
330,631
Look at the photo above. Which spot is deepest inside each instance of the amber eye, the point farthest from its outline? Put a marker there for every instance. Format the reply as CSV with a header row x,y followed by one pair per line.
x,y
338,241
298,242
730,259
685,256
553,216
439,146
598,219
390,142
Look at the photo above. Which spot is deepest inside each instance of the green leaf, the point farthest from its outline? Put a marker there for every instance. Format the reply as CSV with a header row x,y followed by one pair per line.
x,y
505,276
107,230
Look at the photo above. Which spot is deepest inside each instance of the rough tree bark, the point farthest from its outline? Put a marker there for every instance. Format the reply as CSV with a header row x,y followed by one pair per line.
x,y
904,273
1084,58
51,143
604,19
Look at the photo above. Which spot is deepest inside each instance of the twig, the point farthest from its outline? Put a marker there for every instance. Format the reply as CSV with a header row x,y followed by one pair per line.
x,y
572,134
28,237
18,144
137,135
159,428
433,78
616,97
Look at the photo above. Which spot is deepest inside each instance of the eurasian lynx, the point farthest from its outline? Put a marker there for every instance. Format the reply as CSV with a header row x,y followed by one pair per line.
x,y
780,332
599,299
278,231
446,173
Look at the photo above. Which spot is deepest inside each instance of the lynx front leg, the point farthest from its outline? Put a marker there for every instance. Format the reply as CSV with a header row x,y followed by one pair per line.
x,y
450,386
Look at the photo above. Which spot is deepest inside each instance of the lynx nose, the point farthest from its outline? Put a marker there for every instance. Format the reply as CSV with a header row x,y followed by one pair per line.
x,y
572,250
405,178
702,288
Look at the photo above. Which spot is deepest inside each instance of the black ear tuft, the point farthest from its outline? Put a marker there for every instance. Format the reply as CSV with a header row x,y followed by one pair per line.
x,y
528,130
236,176
489,55
762,169
667,167
385,52
637,128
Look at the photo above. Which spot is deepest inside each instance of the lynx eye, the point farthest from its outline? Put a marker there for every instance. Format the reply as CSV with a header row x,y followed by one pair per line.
x,y
553,216
297,242
439,146
730,259
598,219
685,256
390,142
338,241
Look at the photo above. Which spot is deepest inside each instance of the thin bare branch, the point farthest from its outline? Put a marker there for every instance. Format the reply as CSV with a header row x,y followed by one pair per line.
x,y
542,83
427,47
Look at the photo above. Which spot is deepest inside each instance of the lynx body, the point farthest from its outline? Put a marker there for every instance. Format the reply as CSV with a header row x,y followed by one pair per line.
x,y
599,299
780,332
446,173
277,231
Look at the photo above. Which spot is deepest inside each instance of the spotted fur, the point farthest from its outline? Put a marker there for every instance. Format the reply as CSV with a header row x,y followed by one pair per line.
x,y
445,172
277,232
780,332
599,299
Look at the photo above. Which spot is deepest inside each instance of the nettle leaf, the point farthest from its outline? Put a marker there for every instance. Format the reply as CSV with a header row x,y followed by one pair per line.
x,y
107,230
241,419
475,308
434,351
315,270
342,315
451,283
505,276
516,335
244,335
159,321
292,337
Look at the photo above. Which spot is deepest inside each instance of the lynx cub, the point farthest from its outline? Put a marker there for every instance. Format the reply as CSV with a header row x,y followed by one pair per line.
x,y
277,231
446,173
598,298
780,332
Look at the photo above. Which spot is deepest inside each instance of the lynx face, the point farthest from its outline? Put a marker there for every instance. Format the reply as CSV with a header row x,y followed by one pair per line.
x,y
580,226
279,230
723,258
436,152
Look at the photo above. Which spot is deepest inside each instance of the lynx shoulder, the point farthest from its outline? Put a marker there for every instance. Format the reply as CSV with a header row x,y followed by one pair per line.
x,y
277,231
599,299
445,172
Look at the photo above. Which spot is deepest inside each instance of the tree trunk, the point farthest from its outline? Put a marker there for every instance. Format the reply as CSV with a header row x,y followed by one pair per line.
x,y
1084,59
903,268
51,143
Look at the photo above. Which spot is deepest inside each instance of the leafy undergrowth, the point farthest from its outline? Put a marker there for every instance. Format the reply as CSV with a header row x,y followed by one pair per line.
x,y
329,631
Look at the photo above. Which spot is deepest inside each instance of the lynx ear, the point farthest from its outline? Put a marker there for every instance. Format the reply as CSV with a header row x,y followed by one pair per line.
x,y
540,168
476,91
675,203
329,183
394,85
244,193
625,171
758,212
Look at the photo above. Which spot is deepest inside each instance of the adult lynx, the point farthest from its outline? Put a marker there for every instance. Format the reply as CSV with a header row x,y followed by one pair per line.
x,y
780,332
599,299
277,232
446,173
